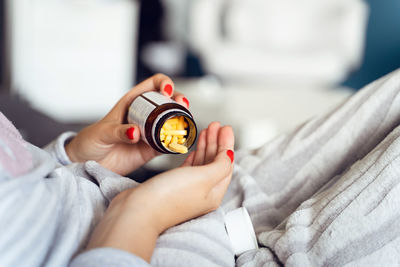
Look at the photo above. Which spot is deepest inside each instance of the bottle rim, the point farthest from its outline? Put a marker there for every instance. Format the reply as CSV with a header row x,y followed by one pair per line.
x,y
191,134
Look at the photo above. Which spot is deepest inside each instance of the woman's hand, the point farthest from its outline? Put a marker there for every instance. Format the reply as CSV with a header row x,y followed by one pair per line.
x,y
137,216
114,144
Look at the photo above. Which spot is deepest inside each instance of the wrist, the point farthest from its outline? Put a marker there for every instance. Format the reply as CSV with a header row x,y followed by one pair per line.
x,y
70,151
140,205
133,227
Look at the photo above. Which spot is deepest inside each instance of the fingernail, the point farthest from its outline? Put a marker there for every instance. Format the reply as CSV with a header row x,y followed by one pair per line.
x,y
231,154
168,89
186,101
129,133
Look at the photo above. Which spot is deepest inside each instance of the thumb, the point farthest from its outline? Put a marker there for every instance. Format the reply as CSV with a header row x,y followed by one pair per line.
x,y
121,133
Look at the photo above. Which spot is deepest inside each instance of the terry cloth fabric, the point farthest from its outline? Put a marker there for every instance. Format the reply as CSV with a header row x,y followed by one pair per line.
x,y
48,211
15,158
325,194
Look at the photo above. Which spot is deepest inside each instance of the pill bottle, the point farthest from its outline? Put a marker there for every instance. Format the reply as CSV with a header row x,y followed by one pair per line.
x,y
151,110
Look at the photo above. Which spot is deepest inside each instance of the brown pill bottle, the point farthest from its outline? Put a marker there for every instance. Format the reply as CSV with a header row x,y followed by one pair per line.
x,y
151,110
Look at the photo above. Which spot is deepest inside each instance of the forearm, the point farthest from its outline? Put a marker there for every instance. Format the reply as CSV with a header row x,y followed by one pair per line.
x,y
127,228
107,257
143,242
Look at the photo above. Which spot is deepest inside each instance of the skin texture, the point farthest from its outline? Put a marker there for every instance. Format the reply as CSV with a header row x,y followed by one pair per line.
x,y
136,217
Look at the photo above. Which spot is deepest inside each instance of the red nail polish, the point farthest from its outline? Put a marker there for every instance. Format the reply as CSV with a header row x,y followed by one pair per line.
x,y
186,101
129,133
168,89
231,154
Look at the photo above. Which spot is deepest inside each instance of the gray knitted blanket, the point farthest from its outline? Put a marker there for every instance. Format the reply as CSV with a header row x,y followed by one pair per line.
x,y
325,194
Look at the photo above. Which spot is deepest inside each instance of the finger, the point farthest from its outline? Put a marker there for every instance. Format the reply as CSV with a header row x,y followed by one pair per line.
x,y
120,133
212,141
226,138
189,160
167,88
158,82
181,99
200,150
220,168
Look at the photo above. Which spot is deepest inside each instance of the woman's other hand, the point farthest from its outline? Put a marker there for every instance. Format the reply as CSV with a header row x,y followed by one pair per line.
x,y
112,142
137,216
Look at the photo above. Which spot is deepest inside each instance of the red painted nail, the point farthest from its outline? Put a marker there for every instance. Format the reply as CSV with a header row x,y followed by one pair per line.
x,y
231,154
168,89
129,133
186,101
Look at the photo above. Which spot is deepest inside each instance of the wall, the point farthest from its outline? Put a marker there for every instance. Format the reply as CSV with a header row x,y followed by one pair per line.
x,y
382,50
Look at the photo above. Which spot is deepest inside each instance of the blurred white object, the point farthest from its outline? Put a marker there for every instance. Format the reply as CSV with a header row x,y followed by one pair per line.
x,y
240,230
175,18
255,132
165,57
73,59
312,40
257,112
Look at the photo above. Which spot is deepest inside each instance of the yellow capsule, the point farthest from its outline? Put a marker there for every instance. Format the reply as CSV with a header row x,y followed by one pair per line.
x,y
168,126
176,132
181,125
173,121
167,140
172,134
178,148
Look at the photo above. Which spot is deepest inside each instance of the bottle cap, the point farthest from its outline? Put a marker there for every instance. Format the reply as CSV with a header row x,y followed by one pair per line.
x,y
240,230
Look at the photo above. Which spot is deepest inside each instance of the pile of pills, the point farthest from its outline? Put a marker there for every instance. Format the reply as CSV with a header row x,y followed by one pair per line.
x,y
173,134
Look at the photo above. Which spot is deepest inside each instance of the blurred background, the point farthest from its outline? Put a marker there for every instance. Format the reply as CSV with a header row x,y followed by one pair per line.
x,y
262,66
